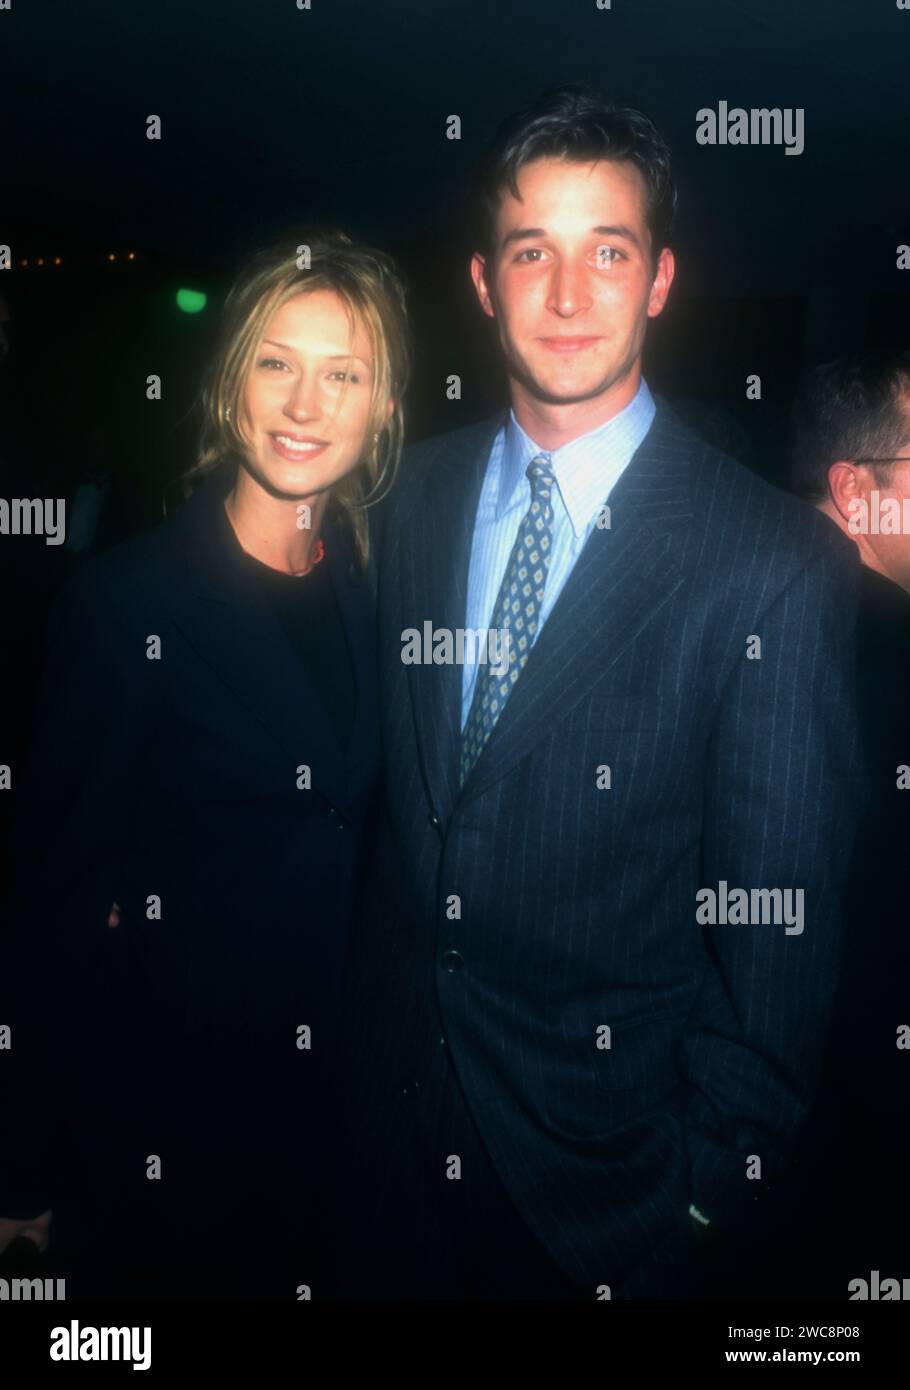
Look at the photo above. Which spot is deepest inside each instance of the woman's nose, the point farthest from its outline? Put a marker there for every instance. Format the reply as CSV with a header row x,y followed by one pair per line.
x,y
303,400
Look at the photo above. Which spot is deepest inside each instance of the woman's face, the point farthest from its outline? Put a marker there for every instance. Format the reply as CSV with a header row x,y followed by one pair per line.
x,y
307,403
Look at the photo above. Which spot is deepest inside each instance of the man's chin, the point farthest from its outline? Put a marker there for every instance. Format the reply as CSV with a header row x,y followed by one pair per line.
x,y
563,391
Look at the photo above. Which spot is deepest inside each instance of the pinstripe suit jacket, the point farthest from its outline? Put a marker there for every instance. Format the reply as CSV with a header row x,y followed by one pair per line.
x,y
577,902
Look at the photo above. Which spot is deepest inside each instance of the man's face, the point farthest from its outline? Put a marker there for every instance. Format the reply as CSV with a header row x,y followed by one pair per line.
x,y
892,552
570,281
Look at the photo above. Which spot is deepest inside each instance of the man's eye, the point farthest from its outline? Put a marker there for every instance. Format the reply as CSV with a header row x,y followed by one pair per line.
x,y
529,251
606,255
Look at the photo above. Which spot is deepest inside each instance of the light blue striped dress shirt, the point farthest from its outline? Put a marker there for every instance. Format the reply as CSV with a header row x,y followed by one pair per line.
x,y
586,471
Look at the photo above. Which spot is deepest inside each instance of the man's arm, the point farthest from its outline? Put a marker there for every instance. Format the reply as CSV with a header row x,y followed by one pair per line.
x,y
783,796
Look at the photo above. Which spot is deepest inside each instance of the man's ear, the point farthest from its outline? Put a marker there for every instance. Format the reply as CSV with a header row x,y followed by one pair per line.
x,y
663,279
479,276
846,484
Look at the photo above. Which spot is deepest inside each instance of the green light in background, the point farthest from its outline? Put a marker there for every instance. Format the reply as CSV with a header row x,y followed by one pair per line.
x,y
191,301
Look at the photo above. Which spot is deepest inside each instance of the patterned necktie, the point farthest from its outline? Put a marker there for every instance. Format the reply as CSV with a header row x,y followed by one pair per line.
x,y
517,609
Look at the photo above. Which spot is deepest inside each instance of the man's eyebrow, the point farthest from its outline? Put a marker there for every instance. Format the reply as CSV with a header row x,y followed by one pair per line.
x,y
330,356
537,233
621,231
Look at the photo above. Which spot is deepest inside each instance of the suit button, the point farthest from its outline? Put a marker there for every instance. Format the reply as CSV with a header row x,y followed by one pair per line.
x,y
411,1089
335,819
451,960
434,821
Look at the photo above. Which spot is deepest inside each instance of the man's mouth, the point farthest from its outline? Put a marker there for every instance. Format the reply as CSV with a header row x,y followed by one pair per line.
x,y
564,343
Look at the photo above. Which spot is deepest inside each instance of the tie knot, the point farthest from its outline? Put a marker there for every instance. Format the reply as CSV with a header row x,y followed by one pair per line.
x,y
540,474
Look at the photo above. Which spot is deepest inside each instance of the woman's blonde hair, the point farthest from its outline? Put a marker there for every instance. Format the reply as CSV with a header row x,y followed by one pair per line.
x,y
369,285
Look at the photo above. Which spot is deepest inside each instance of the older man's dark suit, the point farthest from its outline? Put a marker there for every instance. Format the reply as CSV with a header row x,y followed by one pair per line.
x,y
577,904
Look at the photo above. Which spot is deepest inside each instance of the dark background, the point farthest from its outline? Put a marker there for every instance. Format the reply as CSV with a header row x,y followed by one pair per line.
x,y
272,116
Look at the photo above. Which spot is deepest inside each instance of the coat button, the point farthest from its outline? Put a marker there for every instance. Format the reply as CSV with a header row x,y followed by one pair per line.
x,y
335,819
434,821
451,960
411,1089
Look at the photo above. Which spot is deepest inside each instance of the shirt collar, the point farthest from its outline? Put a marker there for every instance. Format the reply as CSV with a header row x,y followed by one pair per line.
x,y
585,469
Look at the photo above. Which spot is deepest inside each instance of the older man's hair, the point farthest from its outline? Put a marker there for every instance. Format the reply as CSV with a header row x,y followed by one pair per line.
x,y
856,407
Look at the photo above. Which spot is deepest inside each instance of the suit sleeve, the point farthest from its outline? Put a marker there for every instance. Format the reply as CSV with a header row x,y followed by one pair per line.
x,y
783,794
69,826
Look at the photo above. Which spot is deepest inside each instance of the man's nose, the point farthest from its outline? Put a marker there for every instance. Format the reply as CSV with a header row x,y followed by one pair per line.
x,y
568,289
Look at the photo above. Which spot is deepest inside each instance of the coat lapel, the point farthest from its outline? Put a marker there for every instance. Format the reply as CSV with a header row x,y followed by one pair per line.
x,y
235,632
356,600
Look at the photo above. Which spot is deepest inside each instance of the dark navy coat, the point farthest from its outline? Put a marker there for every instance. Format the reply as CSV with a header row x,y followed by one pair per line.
x,y
196,1030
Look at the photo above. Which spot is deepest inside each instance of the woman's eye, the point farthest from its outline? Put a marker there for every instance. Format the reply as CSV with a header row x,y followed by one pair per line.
x,y
352,376
271,362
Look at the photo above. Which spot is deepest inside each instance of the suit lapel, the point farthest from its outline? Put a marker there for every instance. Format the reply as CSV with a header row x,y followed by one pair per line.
x,y
436,554
623,576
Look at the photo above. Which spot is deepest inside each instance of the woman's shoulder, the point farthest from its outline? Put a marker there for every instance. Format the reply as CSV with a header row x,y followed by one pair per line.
x,y
127,568
165,551
132,577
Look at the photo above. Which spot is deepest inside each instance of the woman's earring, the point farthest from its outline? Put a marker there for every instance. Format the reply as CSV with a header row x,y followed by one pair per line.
x,y
227,413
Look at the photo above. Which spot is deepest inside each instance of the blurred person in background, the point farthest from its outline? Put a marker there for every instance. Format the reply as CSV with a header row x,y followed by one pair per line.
x,y
850,457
